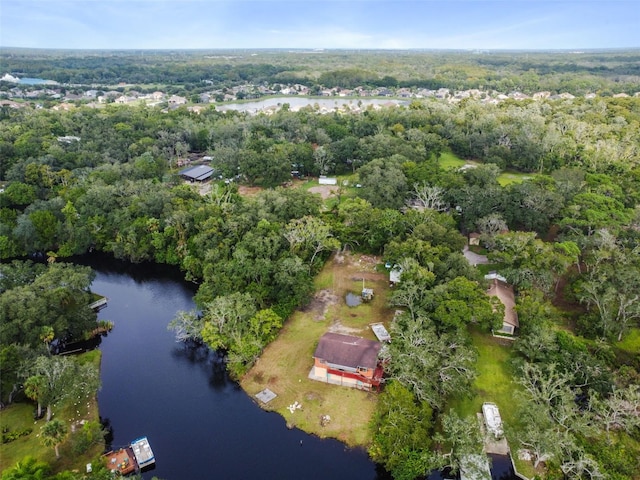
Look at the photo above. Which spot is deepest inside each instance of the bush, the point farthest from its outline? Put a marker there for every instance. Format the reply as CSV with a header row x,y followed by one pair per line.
x,y
9,436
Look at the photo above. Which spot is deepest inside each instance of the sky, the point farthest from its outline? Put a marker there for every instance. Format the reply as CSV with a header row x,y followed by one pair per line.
x,y
312,24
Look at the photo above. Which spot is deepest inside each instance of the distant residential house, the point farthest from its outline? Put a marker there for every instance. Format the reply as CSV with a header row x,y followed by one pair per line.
x,y
348,361
177,100
504,292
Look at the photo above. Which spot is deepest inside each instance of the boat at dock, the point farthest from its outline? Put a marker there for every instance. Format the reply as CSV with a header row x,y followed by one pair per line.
x,y
143,453
492,419
133,458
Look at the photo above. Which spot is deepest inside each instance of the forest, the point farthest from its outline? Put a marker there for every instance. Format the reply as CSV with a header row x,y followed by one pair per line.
x,y
565,233
607,71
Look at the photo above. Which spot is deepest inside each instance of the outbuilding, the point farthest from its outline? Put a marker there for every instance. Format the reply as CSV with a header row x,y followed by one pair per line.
x,y
198,173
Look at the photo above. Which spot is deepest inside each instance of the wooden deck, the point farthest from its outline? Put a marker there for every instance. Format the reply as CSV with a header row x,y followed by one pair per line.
x,y
98,304
121,461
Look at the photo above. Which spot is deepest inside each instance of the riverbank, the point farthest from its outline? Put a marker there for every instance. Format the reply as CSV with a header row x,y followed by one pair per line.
x,y
18,417
285,364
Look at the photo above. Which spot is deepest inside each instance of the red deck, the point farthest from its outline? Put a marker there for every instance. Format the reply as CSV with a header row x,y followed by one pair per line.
x,y
122,461
371,382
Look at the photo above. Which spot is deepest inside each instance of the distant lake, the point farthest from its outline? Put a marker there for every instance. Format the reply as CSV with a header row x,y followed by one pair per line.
x,y
36,81
296,103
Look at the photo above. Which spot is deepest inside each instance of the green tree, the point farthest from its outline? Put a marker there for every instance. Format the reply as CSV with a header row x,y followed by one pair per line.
x,y
309,236
27,469
384,184
401,427
53,434
60,378
431,366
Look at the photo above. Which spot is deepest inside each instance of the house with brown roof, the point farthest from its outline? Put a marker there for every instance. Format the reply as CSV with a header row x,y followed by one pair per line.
x,y
504,292
348,361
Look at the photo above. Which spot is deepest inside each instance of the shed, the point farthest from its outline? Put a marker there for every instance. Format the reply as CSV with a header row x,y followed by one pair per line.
x,y
347,360
380,332
327,180
198,173
395,274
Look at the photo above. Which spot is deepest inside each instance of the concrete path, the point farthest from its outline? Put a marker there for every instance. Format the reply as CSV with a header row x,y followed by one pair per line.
x,y
474,258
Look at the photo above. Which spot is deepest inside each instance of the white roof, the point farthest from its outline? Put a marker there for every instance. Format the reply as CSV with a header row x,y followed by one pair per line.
x,y
492,418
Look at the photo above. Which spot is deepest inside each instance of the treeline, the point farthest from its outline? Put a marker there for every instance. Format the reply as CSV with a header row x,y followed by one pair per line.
x,y
577,73
597,136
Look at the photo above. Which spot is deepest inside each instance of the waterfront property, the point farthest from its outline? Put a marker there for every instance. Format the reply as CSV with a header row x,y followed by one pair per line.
x,y
132,458
348,361
121,461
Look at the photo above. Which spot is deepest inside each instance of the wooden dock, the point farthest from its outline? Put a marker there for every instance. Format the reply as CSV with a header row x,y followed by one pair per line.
x,y
98,304
491,444
122,461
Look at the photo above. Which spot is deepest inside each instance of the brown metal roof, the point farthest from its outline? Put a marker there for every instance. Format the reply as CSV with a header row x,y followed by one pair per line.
x,y
505,293
348,351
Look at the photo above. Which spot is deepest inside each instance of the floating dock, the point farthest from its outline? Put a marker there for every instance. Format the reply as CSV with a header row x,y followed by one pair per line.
x,y
143,453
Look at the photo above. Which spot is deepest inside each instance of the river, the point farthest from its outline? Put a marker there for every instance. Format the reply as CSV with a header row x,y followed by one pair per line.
x,y
200,424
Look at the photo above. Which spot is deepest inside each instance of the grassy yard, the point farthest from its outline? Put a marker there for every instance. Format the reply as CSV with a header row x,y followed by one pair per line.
x,y
285,364
494,384
449,160
19,417
631,342
507,178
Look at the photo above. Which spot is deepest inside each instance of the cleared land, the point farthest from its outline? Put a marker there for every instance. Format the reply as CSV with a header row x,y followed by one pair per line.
x,y
286,362
450,160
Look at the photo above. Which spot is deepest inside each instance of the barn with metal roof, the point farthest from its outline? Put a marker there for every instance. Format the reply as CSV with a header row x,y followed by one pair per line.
x,y
199,173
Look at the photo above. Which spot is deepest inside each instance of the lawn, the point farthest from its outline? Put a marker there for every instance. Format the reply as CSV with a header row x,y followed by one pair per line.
x,y
494,384
631,342
19,417
285,364
507,178
450,160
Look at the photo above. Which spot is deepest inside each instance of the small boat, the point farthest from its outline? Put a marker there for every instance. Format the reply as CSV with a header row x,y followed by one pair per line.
x,y
143,453
492,419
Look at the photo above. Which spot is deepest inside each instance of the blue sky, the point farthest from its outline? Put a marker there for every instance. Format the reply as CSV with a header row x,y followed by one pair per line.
x,y
457,24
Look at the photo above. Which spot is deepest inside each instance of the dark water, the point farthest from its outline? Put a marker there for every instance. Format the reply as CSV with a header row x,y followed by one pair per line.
x,y
501,467
200,424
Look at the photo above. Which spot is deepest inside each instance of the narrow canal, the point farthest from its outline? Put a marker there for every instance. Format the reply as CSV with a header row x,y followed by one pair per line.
x,y
200,424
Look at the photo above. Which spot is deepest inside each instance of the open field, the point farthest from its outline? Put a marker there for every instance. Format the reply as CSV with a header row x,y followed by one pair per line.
x,y
449,160
19,416
286,362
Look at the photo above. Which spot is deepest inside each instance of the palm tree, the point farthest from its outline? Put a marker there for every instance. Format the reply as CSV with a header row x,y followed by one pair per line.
x,y
53,434
34,389
27,469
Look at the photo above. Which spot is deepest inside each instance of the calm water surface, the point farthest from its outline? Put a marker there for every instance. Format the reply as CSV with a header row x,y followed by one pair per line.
x,y
200,424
